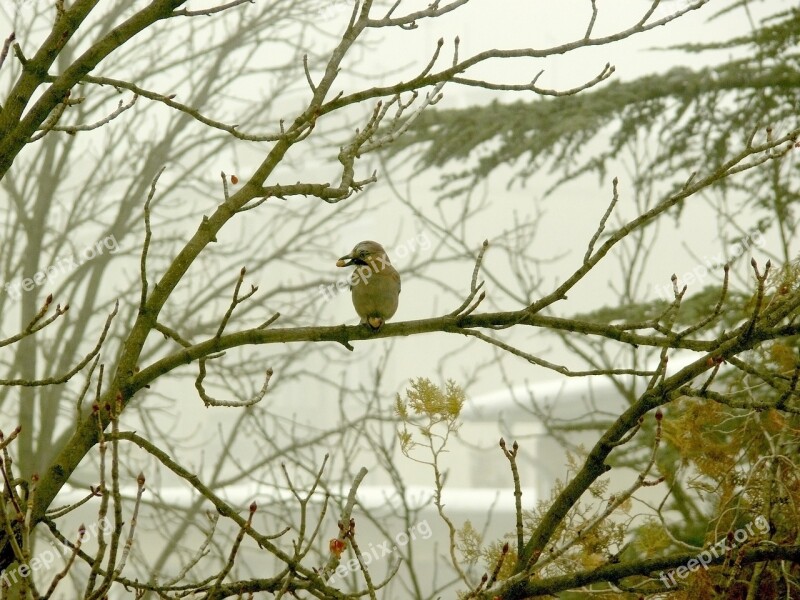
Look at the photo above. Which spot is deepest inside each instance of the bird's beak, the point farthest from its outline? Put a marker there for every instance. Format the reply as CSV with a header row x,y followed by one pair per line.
x,y
343,262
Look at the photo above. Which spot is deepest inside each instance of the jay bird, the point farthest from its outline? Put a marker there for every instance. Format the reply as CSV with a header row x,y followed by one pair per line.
x,y
375,284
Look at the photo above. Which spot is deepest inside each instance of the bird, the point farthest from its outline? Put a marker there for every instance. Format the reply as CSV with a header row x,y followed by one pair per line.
x,y
374,284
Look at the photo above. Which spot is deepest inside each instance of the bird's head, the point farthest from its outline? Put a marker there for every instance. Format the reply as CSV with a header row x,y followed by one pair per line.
x,y
364,253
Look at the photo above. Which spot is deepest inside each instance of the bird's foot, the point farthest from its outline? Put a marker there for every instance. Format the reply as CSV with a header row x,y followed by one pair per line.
x,y
374,323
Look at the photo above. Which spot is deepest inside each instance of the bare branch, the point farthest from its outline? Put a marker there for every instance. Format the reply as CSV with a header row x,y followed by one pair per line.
x,y
147,236
69,374
209,401
6,45
35,324
73,129
168,100
206,12
347,511
602,225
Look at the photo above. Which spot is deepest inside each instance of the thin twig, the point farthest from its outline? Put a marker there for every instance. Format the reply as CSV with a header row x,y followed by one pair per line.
x,y
604,219
147,235
76,369
474,286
